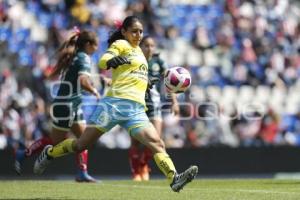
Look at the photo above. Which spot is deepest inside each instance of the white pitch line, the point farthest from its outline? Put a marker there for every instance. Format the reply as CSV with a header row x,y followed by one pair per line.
x,y
202,189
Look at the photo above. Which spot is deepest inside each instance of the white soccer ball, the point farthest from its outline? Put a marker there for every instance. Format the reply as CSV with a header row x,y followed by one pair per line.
x,y
177,79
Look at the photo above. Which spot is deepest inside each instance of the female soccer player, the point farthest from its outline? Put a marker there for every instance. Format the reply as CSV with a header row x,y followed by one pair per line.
x,y
123,105
74,66
139,156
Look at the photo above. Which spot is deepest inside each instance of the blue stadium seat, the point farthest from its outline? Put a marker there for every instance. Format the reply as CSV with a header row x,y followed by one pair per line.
x,y
13,46
60,21
22,34
288,122
202,10
33,7
25,58
103,33
5,33
214,11
179,10
45,19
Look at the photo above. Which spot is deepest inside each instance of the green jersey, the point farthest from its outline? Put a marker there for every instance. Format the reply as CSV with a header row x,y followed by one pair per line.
x,y
156,69
70,86
66,106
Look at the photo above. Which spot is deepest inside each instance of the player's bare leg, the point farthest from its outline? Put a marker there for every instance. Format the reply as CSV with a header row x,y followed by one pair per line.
x,y
146,154
149,137
82,157
89,137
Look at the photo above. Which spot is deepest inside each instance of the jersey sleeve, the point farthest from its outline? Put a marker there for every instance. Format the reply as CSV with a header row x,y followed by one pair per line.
x,y
114,49
84,63
163,66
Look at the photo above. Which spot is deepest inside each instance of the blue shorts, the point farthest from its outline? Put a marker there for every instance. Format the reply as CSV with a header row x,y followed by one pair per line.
x,y
111,111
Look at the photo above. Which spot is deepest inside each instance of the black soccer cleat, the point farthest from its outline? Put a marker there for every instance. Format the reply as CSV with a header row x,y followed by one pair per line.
x,y
180,180
42,161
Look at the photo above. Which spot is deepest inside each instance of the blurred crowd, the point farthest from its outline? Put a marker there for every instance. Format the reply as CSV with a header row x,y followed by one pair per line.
x,y
244,57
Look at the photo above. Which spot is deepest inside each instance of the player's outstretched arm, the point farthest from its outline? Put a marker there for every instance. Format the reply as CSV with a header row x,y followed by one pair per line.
x,y
87,85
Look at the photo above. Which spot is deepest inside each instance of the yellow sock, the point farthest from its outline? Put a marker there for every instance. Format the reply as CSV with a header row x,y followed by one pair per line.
x,y
165,164
61,149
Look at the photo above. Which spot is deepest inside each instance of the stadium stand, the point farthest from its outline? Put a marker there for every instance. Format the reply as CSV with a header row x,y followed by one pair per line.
x,y
243,57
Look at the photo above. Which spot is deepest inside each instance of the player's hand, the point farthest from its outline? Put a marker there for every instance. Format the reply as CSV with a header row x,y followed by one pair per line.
x,y
107,81
96,93
117,61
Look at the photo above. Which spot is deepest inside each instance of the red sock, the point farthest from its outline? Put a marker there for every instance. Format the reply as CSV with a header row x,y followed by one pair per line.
x,y
82,160
38,146
146,156
134,159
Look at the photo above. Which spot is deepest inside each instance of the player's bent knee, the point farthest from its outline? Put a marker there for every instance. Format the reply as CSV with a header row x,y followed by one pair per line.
x,y
161,144
158,146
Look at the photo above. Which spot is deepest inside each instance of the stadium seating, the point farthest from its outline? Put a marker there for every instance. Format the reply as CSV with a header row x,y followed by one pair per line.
x,y
224,69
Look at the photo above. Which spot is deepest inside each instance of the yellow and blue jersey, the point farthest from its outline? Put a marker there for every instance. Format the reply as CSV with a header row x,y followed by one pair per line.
x,y
129,81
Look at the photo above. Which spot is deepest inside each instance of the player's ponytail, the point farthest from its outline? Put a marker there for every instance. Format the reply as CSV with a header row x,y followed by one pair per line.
x,y
117,34
65,55
68,49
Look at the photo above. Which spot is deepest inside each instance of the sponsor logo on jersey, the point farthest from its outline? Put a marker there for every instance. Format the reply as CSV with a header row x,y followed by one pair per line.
x,y
155,67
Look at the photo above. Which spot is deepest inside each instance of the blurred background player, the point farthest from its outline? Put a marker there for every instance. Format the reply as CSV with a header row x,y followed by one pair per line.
x,y
73,65
139,155
124,105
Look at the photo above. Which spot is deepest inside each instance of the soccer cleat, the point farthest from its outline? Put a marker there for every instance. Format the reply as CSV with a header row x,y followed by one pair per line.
x,y
180,180
19,158
83,176
42,161
136,177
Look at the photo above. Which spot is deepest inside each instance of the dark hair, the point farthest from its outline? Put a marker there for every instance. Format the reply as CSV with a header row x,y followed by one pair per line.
x,y
117,35
68,49
145,38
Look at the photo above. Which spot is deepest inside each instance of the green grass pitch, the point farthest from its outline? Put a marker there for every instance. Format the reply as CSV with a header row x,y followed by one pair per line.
x,y
200,189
